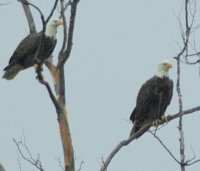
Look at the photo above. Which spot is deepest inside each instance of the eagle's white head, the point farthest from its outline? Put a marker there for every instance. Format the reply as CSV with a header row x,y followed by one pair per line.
x,y
163,68
51,28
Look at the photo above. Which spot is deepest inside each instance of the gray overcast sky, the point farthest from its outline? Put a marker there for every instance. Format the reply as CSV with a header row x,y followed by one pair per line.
x,y
117,47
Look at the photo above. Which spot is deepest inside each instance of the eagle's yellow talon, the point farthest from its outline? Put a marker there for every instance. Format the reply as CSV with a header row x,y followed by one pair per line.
x,y
156,122
164,118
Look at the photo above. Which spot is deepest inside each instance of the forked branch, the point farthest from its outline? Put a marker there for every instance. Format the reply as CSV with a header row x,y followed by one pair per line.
x,y
186,163
63,57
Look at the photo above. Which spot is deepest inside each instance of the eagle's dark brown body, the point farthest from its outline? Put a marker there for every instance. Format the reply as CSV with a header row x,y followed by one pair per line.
x,y
24,55
36,45
152,101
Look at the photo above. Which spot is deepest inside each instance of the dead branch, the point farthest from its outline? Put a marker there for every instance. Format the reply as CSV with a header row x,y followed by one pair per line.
x,y
141,131
19,163
65,26
191,161
29,16
65,7
63,58
191,14
53,99
165,147
30,159
52,11
178,89
186,163
80,167
27,3
59,163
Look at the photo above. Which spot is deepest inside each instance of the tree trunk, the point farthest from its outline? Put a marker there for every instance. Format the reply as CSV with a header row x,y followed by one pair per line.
x,y
66,141
63,124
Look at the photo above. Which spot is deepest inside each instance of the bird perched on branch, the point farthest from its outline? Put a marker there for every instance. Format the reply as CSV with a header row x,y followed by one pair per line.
x,y
24,55
153,98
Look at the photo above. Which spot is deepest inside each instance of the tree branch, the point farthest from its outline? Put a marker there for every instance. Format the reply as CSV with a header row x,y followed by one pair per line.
x,y
53,99
52,11
65,6
141,131
59,163
80,167
26,3
65,26
29,16
35,162
165,147
63,58
186,163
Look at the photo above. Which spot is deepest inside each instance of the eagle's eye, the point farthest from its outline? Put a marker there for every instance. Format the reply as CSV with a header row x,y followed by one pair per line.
x,y
165,64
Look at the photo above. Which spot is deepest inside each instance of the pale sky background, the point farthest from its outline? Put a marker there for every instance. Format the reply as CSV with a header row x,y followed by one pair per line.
x,y
117,47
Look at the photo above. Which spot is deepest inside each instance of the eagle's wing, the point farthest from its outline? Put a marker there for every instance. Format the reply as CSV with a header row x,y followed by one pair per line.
x,y
23,56
171,85
27,47
168,97
144,101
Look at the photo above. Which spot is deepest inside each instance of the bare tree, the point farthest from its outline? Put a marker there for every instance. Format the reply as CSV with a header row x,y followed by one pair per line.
x,y
58,95
57,71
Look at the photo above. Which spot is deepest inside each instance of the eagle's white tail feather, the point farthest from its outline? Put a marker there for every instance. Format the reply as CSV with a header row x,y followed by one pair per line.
x,y
12,71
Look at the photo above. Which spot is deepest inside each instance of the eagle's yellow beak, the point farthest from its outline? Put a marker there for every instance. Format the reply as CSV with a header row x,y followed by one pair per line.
x,y
169,65
60,22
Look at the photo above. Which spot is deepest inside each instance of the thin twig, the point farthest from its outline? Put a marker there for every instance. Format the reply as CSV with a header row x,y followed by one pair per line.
x,y
35,162
53,99
80,167
34,6
52,11
189,162
19,163
170,153
186,163
59,162
65,7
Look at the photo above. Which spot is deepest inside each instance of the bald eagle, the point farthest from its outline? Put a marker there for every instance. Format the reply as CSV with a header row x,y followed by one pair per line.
x,y
153,98
23,56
